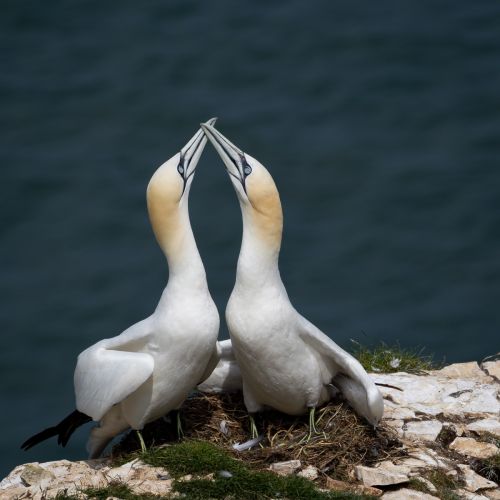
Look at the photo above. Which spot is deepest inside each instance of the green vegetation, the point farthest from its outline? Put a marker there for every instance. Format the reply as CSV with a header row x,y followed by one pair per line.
x,y
231,478
256,485
489,468
344,440
216,475
63,496
191,457
115,490
488,437
444,484
416,484
390,359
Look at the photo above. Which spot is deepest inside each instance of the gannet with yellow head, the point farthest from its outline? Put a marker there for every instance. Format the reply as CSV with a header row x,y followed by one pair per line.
x,y
149,369
286,362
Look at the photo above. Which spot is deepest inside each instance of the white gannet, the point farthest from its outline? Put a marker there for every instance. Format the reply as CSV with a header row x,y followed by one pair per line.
x,y
150,368
286,362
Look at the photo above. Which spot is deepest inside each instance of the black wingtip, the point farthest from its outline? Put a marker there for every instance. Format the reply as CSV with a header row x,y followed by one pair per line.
x,y
38,438
63,430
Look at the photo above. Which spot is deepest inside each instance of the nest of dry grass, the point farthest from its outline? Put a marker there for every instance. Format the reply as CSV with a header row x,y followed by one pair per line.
x,y
343,439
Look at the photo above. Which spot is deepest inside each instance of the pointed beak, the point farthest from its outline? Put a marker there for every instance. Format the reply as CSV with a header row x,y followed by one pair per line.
x,y
191,152
232,156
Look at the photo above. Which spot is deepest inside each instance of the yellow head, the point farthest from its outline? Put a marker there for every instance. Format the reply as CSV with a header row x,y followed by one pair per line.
x,y
168,192
256,190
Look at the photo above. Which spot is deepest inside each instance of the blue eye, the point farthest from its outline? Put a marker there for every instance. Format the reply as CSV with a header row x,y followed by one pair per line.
x,y
247,170
180,169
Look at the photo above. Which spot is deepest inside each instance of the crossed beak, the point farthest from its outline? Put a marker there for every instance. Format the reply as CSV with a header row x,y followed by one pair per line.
x,y
233,157
190,154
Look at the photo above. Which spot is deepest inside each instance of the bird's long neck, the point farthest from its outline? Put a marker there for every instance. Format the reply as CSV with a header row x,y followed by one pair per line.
x,y
173,232
260,247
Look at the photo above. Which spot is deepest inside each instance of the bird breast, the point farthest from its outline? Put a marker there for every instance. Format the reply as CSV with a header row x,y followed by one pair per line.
x,y
185,322
276,365
185,332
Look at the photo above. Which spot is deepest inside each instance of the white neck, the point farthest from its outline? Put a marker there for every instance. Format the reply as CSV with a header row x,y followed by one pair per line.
x,y
184,260
173,232
258,260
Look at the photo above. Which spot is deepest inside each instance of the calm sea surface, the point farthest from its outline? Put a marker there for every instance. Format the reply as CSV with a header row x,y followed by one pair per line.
x,y
379,121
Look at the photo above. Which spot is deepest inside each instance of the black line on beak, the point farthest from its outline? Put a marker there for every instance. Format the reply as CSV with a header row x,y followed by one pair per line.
x,y
182,167
229,152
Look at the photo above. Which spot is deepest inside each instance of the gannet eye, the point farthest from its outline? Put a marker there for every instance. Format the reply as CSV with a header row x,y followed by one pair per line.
x,y
247,170
180,169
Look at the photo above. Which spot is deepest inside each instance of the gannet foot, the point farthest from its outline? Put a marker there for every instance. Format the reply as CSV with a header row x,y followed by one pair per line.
x,y
312,427
180,432
312,421
141,441
254,433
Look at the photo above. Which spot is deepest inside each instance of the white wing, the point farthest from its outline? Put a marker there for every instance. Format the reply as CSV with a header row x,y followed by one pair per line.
x,y
223,373
225,349
352,379
109,371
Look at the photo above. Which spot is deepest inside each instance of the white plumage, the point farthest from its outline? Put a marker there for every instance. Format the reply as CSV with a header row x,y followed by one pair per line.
x,y
149,369
226,377
286,362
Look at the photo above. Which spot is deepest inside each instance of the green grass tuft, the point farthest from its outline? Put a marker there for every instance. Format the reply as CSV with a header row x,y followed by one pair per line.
x,y
191,457
201,458
62,495
416,484
117,490
489,468
249,485
444,484
390,359
488,437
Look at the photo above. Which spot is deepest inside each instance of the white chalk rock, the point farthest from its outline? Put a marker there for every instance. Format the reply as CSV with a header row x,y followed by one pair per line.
x,y
439,393
141,478
286,468
394,411
487,425
34,475
122,473
493,368
426,430
13,480
310,472
359,489
430,458
407,494
46,480
464,370
473,448
381,476
473,481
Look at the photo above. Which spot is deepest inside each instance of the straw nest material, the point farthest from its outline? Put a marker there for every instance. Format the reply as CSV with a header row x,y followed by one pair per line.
x,y
343,439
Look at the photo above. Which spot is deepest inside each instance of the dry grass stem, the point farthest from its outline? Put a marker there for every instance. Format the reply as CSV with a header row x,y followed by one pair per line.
x,y
343,439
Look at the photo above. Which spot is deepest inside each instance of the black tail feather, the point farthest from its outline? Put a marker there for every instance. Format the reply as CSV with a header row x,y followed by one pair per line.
x,y
63,430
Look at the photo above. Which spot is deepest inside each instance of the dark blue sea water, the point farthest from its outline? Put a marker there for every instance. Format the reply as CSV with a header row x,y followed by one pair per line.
x,y
379,121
